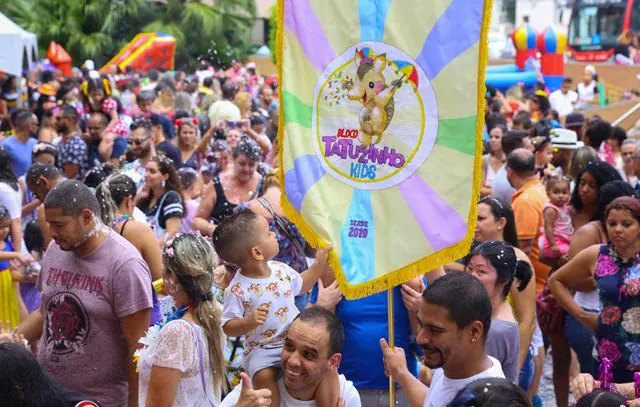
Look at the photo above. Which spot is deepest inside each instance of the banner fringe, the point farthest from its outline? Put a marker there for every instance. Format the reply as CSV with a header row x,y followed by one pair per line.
x,y
423,265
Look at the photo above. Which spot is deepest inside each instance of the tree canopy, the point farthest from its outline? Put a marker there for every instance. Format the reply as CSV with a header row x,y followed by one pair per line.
x,y
98,29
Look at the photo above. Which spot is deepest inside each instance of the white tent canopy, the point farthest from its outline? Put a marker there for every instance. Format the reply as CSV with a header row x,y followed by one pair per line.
x,y
15,45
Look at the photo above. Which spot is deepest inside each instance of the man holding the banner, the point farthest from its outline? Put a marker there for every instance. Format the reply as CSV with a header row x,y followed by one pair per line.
x,y
454,320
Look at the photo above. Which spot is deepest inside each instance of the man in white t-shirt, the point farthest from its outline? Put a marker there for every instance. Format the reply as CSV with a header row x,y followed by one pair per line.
x,y
564,99
454,319
311,349
587,89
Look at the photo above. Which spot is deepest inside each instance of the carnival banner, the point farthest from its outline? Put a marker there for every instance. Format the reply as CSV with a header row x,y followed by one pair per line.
x,y
381,115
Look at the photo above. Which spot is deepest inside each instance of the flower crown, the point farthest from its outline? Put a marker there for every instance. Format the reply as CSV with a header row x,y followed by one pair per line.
x,y
168,247
186,120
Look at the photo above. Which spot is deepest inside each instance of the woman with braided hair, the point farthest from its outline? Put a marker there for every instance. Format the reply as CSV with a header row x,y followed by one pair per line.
x,y
182,363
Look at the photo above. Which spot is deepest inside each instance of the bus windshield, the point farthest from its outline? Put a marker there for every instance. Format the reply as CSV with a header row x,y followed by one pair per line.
x,y
595,25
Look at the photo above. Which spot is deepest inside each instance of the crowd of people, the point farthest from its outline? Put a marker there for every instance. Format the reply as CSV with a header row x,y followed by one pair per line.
x,y
146,259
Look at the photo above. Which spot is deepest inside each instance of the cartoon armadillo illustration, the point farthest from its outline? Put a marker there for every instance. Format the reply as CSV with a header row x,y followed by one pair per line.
x,y
371,90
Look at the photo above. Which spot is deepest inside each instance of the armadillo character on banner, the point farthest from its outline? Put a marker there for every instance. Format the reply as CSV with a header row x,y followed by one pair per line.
x,y
382,105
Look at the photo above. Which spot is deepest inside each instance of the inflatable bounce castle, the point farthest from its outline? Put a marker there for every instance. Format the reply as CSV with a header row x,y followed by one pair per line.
x,y
145,52
550,45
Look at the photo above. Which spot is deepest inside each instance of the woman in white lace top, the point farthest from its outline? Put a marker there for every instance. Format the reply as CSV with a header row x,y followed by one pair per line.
x,y
182,363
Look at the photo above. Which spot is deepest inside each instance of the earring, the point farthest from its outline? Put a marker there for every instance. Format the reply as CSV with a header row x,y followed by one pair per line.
x,y
164,183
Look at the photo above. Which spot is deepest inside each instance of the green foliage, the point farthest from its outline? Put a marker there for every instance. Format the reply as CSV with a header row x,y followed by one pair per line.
x,y
98,29
273,34
221,55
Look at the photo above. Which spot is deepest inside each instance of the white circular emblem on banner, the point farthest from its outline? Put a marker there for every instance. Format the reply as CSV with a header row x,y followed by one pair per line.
x,y
375,116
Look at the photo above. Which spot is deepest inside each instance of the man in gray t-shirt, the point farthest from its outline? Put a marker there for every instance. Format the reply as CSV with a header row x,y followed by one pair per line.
x,y
501,187
96,301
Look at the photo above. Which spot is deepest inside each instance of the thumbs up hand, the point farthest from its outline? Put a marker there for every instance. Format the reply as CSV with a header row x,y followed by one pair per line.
x,y
250,397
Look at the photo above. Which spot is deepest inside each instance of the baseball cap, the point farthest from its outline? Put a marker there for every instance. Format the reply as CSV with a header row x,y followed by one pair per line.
x,y
575,119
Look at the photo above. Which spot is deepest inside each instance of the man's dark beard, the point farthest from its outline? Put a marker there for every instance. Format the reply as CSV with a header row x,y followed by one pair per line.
x,y
144,151
432,351
62,128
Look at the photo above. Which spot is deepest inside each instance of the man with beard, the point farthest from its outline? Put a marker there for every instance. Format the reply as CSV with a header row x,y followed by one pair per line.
x,y
266,101
454,319
73,154
311,349
95,305
40,179
141,142
20,145
103,147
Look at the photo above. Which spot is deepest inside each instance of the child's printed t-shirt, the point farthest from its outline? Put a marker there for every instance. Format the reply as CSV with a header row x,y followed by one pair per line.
x,y
246,294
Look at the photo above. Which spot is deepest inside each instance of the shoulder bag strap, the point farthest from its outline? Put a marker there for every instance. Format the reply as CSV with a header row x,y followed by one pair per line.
x,y
123,226
160,207
282,224
258,188
201,364
200,359
266,205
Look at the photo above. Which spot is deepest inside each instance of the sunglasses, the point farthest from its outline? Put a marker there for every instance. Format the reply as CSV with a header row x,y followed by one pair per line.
x,y
138,141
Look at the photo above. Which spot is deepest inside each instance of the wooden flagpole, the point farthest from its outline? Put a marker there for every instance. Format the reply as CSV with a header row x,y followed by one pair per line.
x,y
392,342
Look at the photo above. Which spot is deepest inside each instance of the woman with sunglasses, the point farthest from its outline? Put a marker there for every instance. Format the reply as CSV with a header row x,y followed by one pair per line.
x,y
240,184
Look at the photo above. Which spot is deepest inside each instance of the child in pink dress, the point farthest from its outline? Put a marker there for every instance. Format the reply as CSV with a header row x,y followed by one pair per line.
x,y
558,227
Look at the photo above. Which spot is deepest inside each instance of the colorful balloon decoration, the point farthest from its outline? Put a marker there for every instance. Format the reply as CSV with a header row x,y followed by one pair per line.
x,y
552,44
524,39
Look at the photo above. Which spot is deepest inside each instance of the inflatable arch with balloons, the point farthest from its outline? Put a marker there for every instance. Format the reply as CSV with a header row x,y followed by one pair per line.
x,y
545,49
